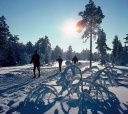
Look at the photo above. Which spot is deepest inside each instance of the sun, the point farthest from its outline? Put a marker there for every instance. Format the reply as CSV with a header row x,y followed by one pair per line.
x,y
69,28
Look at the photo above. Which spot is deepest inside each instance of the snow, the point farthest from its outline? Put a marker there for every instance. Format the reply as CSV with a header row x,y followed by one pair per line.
x,y
62,91
5,70
121,93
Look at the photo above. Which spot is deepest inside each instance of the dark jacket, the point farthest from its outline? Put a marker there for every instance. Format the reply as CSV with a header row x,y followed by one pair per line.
x,y
60,60
74,59
35,59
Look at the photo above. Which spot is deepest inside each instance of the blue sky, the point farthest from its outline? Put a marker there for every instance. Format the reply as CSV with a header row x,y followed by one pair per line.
x,y
32,19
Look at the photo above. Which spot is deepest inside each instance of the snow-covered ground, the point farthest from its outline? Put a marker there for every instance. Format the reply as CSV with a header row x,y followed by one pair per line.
x,y
17,87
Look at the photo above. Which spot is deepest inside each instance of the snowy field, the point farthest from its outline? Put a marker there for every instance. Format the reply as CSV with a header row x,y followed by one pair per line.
x,y
52,93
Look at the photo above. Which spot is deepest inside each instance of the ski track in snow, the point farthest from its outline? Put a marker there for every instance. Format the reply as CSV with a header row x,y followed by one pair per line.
x,y
17,82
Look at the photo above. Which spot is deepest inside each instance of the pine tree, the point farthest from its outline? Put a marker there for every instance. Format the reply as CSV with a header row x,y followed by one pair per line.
x,y
56,53
69,53
29,48
44,47
4,32
91,19
12,50
115,47
125,51
117,51
120,53
102,46
96,56
4,35
84,55
23,55
126,41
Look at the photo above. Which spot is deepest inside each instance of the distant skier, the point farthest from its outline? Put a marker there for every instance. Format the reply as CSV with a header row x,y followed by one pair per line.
x,y
36,62
60,60
74,59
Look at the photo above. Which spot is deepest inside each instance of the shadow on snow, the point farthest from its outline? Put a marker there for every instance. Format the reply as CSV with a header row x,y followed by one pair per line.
x,y
78,91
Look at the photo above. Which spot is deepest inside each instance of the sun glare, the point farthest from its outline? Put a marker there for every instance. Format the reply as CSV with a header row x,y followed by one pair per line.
x,y
69,28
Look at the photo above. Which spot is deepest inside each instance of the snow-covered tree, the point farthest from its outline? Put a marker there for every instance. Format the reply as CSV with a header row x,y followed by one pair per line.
x,y
96,56
56,52
84,55
4,32
91,19
117,51
4,35
23,54
126,41
125,51
102,46
69,53
13,50
115,47
44,47
29,48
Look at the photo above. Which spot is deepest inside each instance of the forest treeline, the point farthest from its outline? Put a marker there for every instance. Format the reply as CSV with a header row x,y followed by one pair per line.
x,y
14,52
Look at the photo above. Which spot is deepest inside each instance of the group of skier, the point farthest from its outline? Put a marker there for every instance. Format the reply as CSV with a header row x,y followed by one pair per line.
x,y
36,62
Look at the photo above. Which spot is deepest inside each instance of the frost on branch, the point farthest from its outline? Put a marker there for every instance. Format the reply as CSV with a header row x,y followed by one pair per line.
x,y
84,90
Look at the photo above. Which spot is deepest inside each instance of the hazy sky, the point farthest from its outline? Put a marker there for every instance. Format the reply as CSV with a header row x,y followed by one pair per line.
x,y
32,19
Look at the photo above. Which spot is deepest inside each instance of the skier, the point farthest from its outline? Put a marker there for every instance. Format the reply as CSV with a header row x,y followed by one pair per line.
x,y
74,59
36,62
60,60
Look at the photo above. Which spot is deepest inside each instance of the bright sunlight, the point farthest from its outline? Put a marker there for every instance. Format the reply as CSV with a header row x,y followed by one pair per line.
x,y
69,28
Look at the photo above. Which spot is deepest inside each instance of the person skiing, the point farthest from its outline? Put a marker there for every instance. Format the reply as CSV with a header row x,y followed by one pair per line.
x,y
60,60
36,62
74,59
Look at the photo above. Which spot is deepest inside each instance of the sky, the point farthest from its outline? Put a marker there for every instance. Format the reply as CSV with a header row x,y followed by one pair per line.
x,y
33,19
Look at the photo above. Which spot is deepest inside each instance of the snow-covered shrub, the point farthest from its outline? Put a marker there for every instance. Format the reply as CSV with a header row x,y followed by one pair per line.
x,y
40,100
67,77
68,63
76,91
